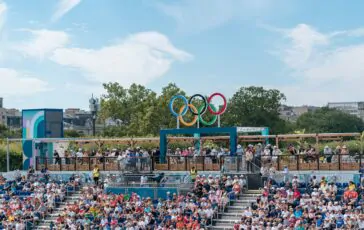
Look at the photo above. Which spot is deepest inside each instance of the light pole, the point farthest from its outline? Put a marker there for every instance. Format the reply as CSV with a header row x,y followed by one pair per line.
x,y
94,108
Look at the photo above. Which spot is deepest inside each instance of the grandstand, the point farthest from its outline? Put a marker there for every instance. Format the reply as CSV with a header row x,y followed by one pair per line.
x,y
181,182
226,195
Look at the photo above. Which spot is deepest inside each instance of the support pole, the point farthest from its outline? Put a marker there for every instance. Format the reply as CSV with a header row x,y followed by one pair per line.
x,y
177,123
34,153
7,155
94,125
218,121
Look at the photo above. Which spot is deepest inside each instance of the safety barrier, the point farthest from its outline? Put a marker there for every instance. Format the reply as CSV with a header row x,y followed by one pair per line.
x,y
153,193
203,163
309,162
130,164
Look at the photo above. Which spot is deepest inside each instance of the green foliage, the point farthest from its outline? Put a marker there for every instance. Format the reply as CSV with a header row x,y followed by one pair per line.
x,y
256,106
15,153
72,134
140,112
7,133
135,108
326,120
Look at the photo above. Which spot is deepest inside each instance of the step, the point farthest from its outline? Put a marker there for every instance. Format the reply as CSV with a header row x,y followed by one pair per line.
x,y
230,214
245,201
258,191
240,212
248,196
230,217
236,208
223,222
220,228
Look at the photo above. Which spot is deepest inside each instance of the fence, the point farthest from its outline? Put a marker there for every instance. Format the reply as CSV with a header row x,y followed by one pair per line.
x,y
153,193
137,165
203,163
185,163
316,162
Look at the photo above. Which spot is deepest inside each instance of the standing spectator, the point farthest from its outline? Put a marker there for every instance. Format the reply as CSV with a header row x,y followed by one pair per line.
x,y
239,153
344,150
328,154
96,174
275,154
286,173
67,156
258,154
193,174
57,157
249,156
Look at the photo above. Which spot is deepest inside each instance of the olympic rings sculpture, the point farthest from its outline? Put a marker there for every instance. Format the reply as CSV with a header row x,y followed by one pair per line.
x,y
198,112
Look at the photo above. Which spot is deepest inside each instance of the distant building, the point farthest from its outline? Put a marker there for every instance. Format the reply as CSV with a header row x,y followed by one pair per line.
x,y
292,113
353,108
11,118
80,120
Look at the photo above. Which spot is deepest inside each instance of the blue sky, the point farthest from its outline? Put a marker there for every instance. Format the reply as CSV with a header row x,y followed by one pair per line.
x,y
56,53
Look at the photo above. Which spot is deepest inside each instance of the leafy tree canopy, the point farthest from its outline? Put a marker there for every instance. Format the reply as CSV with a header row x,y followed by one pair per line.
x,y
141,112
256,106
326,120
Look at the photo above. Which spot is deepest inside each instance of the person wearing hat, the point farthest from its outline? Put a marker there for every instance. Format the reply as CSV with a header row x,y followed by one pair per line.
x,y
239,154
249,157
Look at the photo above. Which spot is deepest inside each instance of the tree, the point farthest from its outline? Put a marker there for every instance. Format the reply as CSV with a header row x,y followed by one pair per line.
x,y
255,106
7,133
326,120
72,134
168,120
134,108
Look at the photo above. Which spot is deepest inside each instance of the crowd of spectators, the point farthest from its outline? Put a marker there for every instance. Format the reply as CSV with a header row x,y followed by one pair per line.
x,y
97,209
128,160
27,199
320,204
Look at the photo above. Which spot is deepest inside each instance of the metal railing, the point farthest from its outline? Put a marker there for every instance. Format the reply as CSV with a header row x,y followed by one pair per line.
x,y
300,162
129,164
318,162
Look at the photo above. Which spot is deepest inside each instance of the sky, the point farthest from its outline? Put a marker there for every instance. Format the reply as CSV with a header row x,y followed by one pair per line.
x,y
57,53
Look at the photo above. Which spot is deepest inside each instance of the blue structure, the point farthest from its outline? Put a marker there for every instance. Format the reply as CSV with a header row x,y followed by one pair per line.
x,y
40,123
264,131
232,131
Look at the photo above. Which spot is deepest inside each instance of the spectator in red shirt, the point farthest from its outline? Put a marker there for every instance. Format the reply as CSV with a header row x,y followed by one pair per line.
x,y
296,194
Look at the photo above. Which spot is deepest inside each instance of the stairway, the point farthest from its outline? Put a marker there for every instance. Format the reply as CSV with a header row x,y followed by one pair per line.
x,y
233,212
57,211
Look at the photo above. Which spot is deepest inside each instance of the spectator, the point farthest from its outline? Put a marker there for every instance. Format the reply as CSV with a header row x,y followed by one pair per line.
x,y
288,207
276,153
193,173
249,156
328,154
96,174
57,157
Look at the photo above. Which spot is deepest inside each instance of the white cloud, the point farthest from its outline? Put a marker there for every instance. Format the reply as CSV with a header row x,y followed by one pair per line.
x,y
42,43
140,58
14,83
322,68
200,15
63,7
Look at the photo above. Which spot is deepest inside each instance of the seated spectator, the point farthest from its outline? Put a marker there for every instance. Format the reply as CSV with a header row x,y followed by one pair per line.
x,y
288,208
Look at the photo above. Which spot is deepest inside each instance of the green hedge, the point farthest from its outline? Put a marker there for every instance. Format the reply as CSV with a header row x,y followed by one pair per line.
x,y
16,161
